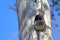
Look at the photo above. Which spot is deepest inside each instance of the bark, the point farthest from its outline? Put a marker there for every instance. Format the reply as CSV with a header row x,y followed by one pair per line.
x,y
26,13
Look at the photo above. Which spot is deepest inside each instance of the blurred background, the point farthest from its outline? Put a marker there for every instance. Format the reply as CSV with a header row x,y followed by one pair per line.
x,y
8,21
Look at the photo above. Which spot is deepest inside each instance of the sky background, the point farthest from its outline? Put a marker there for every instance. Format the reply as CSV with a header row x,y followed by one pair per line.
x,y
9,22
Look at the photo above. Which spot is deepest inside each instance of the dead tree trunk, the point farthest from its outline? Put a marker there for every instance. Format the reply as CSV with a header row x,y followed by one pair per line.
x,y
26,13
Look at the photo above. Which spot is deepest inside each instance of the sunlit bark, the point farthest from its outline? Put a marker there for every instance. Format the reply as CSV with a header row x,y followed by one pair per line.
x,y
26,13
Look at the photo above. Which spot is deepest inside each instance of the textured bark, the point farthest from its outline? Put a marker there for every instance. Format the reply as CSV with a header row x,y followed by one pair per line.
x,y
26,13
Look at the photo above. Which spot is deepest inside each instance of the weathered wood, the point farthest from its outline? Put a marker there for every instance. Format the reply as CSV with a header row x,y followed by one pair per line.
x,y
26,13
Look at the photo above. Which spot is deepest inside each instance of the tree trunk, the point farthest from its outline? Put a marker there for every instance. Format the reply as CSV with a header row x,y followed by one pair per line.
x,y
26,13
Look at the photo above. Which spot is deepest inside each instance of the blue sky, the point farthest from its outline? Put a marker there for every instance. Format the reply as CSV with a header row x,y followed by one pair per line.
x,y
56,30
9,22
